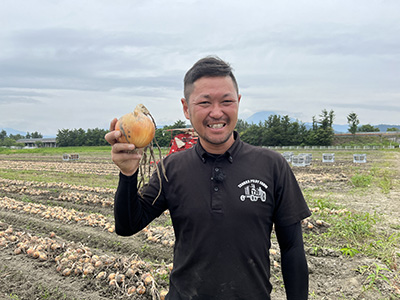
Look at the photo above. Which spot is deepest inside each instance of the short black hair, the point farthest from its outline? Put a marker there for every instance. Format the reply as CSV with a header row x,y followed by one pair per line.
x,y
210,66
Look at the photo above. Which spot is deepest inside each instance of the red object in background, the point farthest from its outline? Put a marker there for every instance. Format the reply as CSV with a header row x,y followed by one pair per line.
x,y
182,141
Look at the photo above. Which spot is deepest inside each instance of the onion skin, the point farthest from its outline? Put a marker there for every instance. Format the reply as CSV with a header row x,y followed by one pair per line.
x,y
136,127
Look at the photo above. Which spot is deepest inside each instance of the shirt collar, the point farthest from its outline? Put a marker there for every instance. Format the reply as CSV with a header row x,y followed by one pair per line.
x,y
230,154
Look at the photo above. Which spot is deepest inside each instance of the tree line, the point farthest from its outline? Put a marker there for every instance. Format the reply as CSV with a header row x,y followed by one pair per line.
x,y
275,131
81,137
282,131
11,139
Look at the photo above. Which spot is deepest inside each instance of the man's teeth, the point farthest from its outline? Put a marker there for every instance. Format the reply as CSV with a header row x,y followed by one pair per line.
x,y
216,126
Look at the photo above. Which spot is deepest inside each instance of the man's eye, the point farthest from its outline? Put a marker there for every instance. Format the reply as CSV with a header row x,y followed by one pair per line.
x,y
227,102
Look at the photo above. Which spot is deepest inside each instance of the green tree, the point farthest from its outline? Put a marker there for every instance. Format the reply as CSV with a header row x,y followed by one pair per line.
x,y
95,137
352,120
80,137
36,135
241,126
63,138
253,135
16,136
275,131
367,128
393,129
8,142
179,124
298,133
3,135
322,133
164,135
326,119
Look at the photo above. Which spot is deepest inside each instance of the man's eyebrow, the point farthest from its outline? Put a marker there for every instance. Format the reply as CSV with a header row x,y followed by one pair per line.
x,y
207,96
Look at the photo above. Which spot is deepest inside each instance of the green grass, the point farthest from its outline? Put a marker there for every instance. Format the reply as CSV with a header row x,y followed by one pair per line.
x,y
380,176
352,233
325,203
93,150
375,274
57,150
383,177
361,180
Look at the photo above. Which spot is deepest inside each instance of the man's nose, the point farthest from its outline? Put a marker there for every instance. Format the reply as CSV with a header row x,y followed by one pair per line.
x,y
216,111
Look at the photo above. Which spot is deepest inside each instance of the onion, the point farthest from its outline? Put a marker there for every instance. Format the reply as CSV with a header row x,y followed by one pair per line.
x,y
140,289
101,275
131,290
147,279
137,127
163,294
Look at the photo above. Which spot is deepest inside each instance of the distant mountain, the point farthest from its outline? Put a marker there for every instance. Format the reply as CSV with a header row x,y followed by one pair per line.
x,y
261,116
384,127
340,128
13,131
337,128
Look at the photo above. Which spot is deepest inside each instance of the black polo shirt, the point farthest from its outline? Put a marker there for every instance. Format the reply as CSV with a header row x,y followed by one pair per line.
x,y
222,209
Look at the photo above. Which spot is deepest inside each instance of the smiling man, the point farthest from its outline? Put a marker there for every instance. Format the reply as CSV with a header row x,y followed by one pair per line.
x,y
213,109
211,104
224,197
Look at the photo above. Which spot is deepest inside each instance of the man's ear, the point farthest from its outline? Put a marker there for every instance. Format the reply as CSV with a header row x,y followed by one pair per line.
x,y
185,107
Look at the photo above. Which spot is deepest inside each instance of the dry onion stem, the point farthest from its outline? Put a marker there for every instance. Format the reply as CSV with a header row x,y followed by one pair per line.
x,y
148,156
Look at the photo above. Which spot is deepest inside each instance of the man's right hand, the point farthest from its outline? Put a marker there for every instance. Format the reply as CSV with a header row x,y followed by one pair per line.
x,y
123,154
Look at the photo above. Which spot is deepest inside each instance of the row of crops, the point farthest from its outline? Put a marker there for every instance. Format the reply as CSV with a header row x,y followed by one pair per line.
x,y
57,217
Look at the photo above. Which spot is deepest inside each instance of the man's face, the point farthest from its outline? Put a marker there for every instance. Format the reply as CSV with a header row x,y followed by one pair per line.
x,y
213,112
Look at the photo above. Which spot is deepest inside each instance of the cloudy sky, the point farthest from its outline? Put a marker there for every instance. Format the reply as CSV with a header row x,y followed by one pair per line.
x,y
78,64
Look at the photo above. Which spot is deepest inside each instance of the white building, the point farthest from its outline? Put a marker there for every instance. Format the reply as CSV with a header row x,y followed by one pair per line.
x,y
33,143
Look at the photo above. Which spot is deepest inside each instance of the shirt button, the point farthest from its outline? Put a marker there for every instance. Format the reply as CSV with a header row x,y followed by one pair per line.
x,y
216,189
216,169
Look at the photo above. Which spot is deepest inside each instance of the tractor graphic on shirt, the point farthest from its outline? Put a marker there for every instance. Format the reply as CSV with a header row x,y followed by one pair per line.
x,y
253,193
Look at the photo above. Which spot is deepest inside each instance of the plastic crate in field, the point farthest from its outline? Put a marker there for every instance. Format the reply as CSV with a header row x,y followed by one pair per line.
x,y
68,157
288,156
308,158
328,157
298,161
359,158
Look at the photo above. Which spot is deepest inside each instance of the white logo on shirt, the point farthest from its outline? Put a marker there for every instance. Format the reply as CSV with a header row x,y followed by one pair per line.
x,y
253,190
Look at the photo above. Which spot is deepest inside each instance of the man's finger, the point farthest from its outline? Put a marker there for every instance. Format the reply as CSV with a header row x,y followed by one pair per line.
x,y
122,147
112,137
112,124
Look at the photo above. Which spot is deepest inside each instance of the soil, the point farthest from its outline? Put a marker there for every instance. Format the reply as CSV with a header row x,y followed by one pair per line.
x,y
332,275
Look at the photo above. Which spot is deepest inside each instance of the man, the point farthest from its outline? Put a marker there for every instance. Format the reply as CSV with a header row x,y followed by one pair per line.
x,y
223,196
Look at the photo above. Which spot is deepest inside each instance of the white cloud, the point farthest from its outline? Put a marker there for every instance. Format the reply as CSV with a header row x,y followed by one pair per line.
x,y
72,64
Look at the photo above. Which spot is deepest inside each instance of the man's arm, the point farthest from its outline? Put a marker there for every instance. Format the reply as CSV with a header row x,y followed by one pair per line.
x,y
131,211
293,259
127,208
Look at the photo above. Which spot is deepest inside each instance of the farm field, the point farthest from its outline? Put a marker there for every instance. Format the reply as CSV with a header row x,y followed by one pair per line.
x,y
57,238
